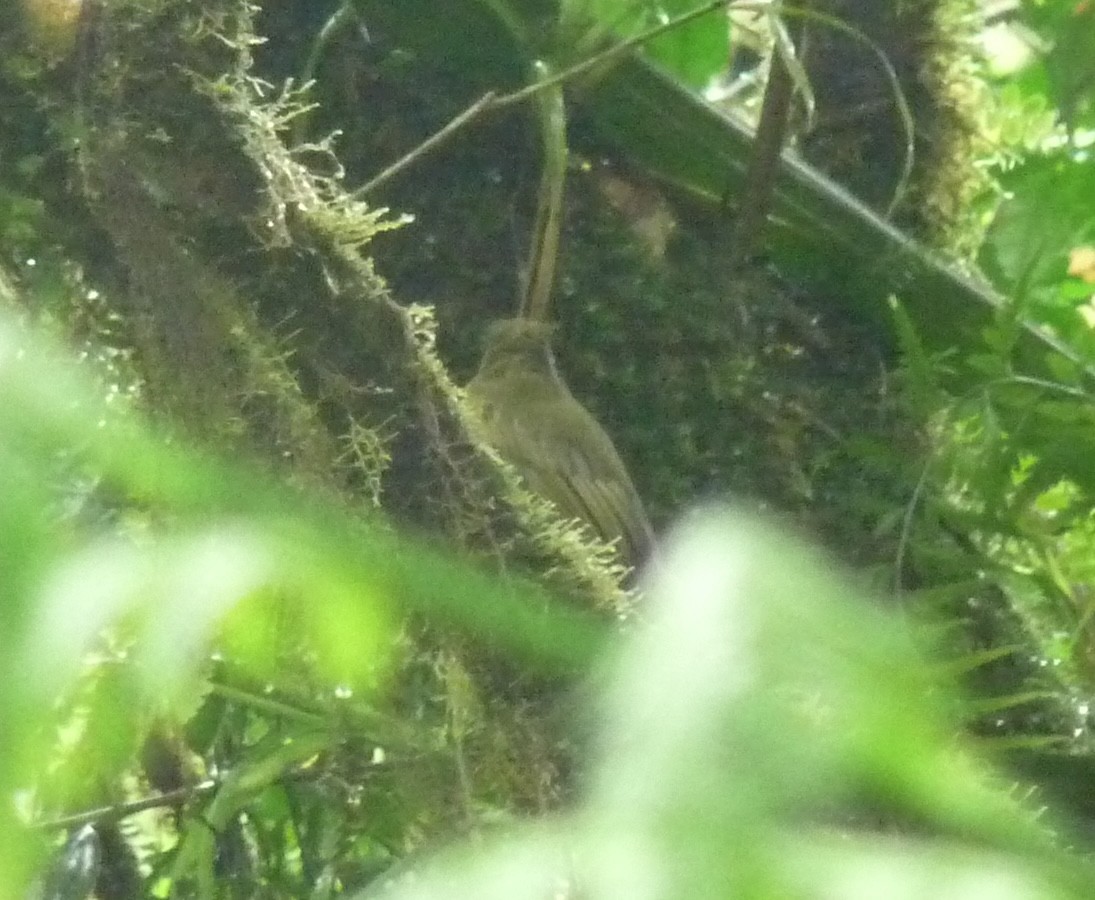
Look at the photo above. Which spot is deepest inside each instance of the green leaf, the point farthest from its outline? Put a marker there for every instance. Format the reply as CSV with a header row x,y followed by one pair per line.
x,y
761,696
922,388
694,52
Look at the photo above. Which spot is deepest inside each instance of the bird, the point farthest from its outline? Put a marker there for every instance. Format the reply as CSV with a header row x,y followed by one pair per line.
x,y
532,420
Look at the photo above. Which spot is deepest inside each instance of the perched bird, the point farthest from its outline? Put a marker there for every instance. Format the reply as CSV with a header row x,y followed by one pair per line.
x,y
532,420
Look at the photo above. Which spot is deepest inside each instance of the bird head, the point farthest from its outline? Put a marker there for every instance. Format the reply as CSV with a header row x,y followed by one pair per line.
x,y
523,344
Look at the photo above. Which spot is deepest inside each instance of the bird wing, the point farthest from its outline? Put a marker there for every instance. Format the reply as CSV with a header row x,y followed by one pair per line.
x,y
571,461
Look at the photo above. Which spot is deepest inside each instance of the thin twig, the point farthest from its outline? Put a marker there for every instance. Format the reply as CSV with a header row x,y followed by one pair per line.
x,y
491,101
768,142
119,811
487,101
615,50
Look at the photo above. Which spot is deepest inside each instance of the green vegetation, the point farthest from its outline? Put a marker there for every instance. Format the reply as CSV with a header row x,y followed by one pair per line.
x,y
278,625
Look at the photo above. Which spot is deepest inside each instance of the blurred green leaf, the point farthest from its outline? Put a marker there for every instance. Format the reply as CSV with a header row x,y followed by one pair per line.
x,y
697,51
1048,212
741,726
1069,57
224,558
297,539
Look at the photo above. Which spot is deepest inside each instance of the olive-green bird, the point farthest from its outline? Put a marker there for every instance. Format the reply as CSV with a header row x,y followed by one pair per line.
x,y
532,420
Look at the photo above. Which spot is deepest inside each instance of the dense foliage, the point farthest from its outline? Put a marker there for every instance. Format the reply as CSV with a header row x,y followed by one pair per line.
x,y
277,625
